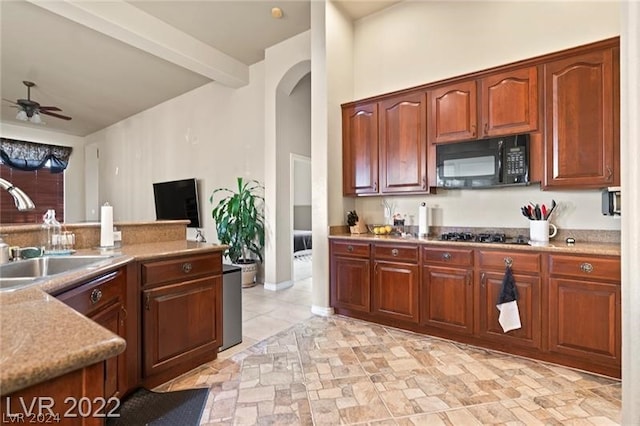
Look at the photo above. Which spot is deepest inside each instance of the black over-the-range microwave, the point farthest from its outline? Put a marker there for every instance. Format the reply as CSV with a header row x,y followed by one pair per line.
x,y
483,163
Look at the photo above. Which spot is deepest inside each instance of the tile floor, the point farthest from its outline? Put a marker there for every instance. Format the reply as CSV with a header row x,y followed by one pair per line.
x,y
295,368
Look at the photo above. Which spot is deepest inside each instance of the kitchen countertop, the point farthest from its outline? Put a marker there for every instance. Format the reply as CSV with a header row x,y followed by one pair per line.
x,y
603,249
42,338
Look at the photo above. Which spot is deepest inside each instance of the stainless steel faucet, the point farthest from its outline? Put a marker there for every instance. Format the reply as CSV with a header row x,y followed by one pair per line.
x,y
22,200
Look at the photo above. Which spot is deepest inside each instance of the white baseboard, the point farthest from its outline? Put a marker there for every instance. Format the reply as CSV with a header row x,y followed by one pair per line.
x,y
278,286
323,311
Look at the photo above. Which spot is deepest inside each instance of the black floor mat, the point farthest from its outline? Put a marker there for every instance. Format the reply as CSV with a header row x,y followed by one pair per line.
x,y
144,407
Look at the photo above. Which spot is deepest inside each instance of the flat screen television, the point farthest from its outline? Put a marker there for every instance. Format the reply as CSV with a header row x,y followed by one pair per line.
x,y
177,199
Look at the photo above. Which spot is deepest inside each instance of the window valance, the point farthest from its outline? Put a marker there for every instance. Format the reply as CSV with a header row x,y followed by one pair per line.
x,y
28,156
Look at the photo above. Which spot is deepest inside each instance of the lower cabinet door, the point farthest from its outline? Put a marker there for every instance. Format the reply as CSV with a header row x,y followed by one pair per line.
x,y
181,322
448,298
584,320
351,283
396,291
529,335
112,318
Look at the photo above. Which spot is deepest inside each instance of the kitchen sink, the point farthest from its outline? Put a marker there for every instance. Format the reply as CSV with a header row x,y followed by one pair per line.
x,y
25,272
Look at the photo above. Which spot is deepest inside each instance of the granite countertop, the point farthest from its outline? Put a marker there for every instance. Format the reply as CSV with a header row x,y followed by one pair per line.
x,y
604,249
42,338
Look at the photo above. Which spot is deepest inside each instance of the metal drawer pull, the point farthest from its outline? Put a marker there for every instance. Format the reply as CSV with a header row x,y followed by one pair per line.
x,y
586,267
446,256
349,249
95,296
186,268
394,252
508,261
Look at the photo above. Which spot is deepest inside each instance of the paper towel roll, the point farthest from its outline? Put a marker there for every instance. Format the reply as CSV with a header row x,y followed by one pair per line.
x,y
106,226
423,224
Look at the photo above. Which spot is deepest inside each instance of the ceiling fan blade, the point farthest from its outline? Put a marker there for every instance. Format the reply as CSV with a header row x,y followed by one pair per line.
x,y
52,114
11,102
49,108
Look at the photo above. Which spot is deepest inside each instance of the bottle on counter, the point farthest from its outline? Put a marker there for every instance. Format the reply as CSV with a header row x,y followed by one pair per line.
x,y
51,232
4,252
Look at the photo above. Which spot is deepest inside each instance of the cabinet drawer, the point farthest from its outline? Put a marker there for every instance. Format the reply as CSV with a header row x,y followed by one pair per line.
x,y
520,262
348,248
446,256
180,269
96,294
585,267
396,253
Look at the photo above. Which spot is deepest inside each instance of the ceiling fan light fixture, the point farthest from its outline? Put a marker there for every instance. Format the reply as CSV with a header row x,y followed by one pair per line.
x,y
22,116
35,118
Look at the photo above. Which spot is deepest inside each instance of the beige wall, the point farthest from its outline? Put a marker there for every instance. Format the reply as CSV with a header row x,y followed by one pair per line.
x,y
73,175
414,43
213,133
285,65
630,134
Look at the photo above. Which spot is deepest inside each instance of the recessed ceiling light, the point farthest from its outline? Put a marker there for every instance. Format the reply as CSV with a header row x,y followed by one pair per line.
x,y
276,13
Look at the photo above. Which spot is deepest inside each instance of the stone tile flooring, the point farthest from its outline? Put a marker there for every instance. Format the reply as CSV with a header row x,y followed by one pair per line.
x,y
337,370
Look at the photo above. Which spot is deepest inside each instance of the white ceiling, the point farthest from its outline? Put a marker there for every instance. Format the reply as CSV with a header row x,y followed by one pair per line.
x,y
69,49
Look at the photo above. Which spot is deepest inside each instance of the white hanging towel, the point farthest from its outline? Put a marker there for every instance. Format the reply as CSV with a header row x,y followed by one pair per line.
x,y
509,317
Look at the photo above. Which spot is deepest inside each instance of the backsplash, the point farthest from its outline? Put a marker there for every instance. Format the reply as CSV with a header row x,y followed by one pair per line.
x,y
490,208
88,234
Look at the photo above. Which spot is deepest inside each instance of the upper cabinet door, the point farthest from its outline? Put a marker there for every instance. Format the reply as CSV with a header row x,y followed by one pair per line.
x,y
403,143
581,118
453,113
510,102
360,149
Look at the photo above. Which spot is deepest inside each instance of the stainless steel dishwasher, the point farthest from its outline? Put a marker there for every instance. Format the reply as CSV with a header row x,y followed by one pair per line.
x,y
231,306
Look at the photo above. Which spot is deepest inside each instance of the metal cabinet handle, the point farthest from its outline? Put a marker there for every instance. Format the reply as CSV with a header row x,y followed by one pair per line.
x,y
473,130
609,173
95,296
483,279
424,182
375,186
349,248
586,268
187,267
146,302
469,278
486,128
394,252
446,256
508,261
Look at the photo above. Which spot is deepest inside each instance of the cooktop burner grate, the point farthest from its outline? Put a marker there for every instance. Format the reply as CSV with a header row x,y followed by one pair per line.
x,y
483,238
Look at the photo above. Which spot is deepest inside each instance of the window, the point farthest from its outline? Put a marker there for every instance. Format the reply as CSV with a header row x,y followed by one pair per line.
x,y
38,170
46,189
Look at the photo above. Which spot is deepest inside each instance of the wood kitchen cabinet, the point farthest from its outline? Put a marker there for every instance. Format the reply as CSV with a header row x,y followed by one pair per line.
x,y
509,102
582,147
360,149
396,282
569,305
453,112
108,301
491,268
384,145
403,143
350,278
585,309
181,314
447,289
68,393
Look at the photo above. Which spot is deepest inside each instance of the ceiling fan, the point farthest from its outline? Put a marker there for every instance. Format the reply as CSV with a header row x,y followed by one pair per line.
x,y
30,110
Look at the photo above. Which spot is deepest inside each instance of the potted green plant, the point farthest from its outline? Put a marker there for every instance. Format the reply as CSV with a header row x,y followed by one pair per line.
x,y
239,222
